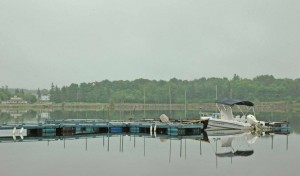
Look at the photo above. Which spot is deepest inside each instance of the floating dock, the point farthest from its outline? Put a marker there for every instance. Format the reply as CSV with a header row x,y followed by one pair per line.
x,y
79,127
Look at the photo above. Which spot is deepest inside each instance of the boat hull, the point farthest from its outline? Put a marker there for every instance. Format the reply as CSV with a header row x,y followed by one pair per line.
x,y
219,124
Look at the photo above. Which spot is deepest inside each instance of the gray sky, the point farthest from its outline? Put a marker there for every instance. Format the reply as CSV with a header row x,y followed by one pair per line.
x,y
74,41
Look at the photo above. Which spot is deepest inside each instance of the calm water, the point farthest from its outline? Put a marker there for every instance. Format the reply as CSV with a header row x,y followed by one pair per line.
x,y
269,154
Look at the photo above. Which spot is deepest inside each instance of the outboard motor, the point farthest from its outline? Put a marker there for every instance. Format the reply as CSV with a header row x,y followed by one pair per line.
x,y
257,124
252,120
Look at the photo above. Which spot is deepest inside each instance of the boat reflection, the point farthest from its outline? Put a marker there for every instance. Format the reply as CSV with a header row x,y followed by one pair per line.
x,y
234,143
237,143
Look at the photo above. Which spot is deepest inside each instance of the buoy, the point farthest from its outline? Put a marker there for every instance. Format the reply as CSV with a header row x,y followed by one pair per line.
x,y
164,118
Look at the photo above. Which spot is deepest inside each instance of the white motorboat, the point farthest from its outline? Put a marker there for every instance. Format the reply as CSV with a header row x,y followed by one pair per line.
x,y
227,120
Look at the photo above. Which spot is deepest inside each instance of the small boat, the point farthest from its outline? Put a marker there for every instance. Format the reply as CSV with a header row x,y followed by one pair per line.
x,y
226,119
245,120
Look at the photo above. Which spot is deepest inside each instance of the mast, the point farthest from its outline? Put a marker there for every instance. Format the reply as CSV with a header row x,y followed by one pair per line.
x,y
216,92
184,104
170,100
216,97
144,103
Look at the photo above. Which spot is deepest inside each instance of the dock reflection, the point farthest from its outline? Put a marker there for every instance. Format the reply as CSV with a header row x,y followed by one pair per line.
x,y
225,143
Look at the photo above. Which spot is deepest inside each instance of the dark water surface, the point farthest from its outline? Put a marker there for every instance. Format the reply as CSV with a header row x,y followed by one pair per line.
x,y
133,155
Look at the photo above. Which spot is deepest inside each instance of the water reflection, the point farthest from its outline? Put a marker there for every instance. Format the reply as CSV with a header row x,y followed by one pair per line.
x,y
235,143
211,153
225,143
218,153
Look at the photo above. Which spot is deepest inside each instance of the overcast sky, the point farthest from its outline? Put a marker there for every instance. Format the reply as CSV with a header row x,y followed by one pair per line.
x,y
74,41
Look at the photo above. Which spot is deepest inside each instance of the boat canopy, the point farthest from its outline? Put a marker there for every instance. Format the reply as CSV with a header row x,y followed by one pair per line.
x,y
232,102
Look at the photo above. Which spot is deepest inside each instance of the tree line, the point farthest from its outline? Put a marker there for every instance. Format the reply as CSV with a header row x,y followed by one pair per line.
x,y
260,88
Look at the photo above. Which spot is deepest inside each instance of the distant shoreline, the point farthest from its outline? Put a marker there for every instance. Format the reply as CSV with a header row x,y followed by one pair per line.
x,y
262,106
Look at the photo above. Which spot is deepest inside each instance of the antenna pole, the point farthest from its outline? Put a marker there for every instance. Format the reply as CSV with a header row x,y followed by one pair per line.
x,y
144,103
170,100
184,104
216,92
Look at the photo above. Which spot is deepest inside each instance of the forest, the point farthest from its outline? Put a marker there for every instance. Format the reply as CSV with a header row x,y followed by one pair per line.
x,y
261,88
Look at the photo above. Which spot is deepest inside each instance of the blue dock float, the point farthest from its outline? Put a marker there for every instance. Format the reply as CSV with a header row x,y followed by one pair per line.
x,y
78,127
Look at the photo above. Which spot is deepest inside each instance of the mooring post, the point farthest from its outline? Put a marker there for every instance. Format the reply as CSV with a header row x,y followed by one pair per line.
x,y
21,131
14,130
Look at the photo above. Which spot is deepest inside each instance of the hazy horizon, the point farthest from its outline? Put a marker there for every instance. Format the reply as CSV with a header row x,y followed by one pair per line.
x,y
66,41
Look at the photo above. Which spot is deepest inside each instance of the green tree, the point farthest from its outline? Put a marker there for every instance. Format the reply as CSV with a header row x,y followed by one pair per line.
x,y
29,98
39,94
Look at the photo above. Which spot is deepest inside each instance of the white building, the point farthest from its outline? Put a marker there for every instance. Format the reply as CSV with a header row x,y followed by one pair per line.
x,y
45,98
15,100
